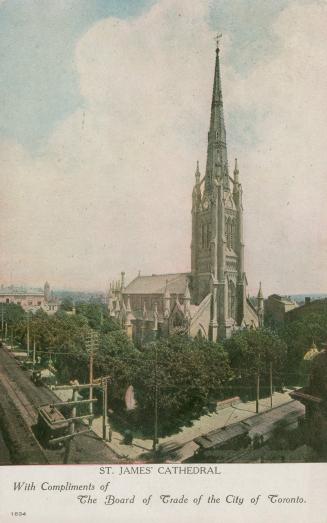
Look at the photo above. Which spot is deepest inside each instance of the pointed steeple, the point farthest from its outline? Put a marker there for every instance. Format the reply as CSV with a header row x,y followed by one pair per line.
x,y
128,306
117,309
217,165
166,301
155,317
186,299
196,195
110,299
123,306
145,312
197,173
122,284
217,113
187,295
47,293
128,318
260,306
236,172
260,293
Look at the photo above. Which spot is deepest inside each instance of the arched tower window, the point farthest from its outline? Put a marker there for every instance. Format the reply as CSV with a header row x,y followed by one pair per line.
x,y
231,300
203,234
232,234
208,235
228,233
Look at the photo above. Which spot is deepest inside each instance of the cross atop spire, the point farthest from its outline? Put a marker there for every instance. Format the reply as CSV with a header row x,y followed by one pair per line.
x,y
260,293
218,37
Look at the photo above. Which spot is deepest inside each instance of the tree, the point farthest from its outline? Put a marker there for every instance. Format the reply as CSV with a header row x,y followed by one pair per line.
x,y
67,304
12,313
118,358
298,336
183,376
97,316
13,316
252,352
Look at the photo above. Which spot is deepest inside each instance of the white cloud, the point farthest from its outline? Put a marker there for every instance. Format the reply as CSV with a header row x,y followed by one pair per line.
x,y
286,168
112,189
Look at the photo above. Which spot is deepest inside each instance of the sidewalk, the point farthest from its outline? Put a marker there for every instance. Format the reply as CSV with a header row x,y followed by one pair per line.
x,y
236,412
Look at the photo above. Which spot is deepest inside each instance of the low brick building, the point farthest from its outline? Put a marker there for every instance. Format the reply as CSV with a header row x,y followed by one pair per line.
x,y
30,299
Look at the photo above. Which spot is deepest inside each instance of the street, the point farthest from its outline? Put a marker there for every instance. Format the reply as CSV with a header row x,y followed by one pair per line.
x,y
20,399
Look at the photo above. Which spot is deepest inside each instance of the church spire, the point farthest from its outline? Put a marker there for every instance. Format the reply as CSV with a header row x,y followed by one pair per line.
x,y
236,172
260,306
196,195
217,165
197,173
217,115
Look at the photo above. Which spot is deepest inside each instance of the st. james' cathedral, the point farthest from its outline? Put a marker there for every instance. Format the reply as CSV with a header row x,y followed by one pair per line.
x,y
211,300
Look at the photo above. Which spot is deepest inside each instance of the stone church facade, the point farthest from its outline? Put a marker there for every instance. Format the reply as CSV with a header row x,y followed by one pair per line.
x,y
211,300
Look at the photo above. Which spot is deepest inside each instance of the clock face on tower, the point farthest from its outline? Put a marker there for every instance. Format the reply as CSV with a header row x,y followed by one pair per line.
x,y
205,204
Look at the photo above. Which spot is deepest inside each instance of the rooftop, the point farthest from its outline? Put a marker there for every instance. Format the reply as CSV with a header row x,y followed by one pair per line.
x,y
14,291
156,284
283,299
221,436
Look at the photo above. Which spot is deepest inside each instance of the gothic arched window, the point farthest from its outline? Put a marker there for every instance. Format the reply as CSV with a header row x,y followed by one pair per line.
x,y
228,233
208,236
232,234
231,300
203,236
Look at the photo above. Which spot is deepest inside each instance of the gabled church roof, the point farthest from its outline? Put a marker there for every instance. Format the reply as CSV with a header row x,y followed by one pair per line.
x,y
156,284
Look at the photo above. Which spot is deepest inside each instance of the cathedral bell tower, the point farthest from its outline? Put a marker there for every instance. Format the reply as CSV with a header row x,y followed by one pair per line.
x,y
217,249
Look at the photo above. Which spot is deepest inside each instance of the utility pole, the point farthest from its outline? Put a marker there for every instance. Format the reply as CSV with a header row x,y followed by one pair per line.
x,y
74,417
71,429
103,384
6,330
2,320
34,352
104,408
92,343
155,438
271,385
12,337
91,382
28,335
258,393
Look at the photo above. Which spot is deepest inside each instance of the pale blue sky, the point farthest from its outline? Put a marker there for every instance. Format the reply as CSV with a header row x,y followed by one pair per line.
x,y
102,121
39,85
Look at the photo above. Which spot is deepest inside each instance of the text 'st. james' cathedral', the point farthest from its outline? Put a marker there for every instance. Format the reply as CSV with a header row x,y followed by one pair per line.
x,y
211,300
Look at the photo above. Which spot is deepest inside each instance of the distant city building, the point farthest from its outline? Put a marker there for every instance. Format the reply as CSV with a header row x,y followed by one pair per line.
x,y
276,308
309,307
211,300
30,299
